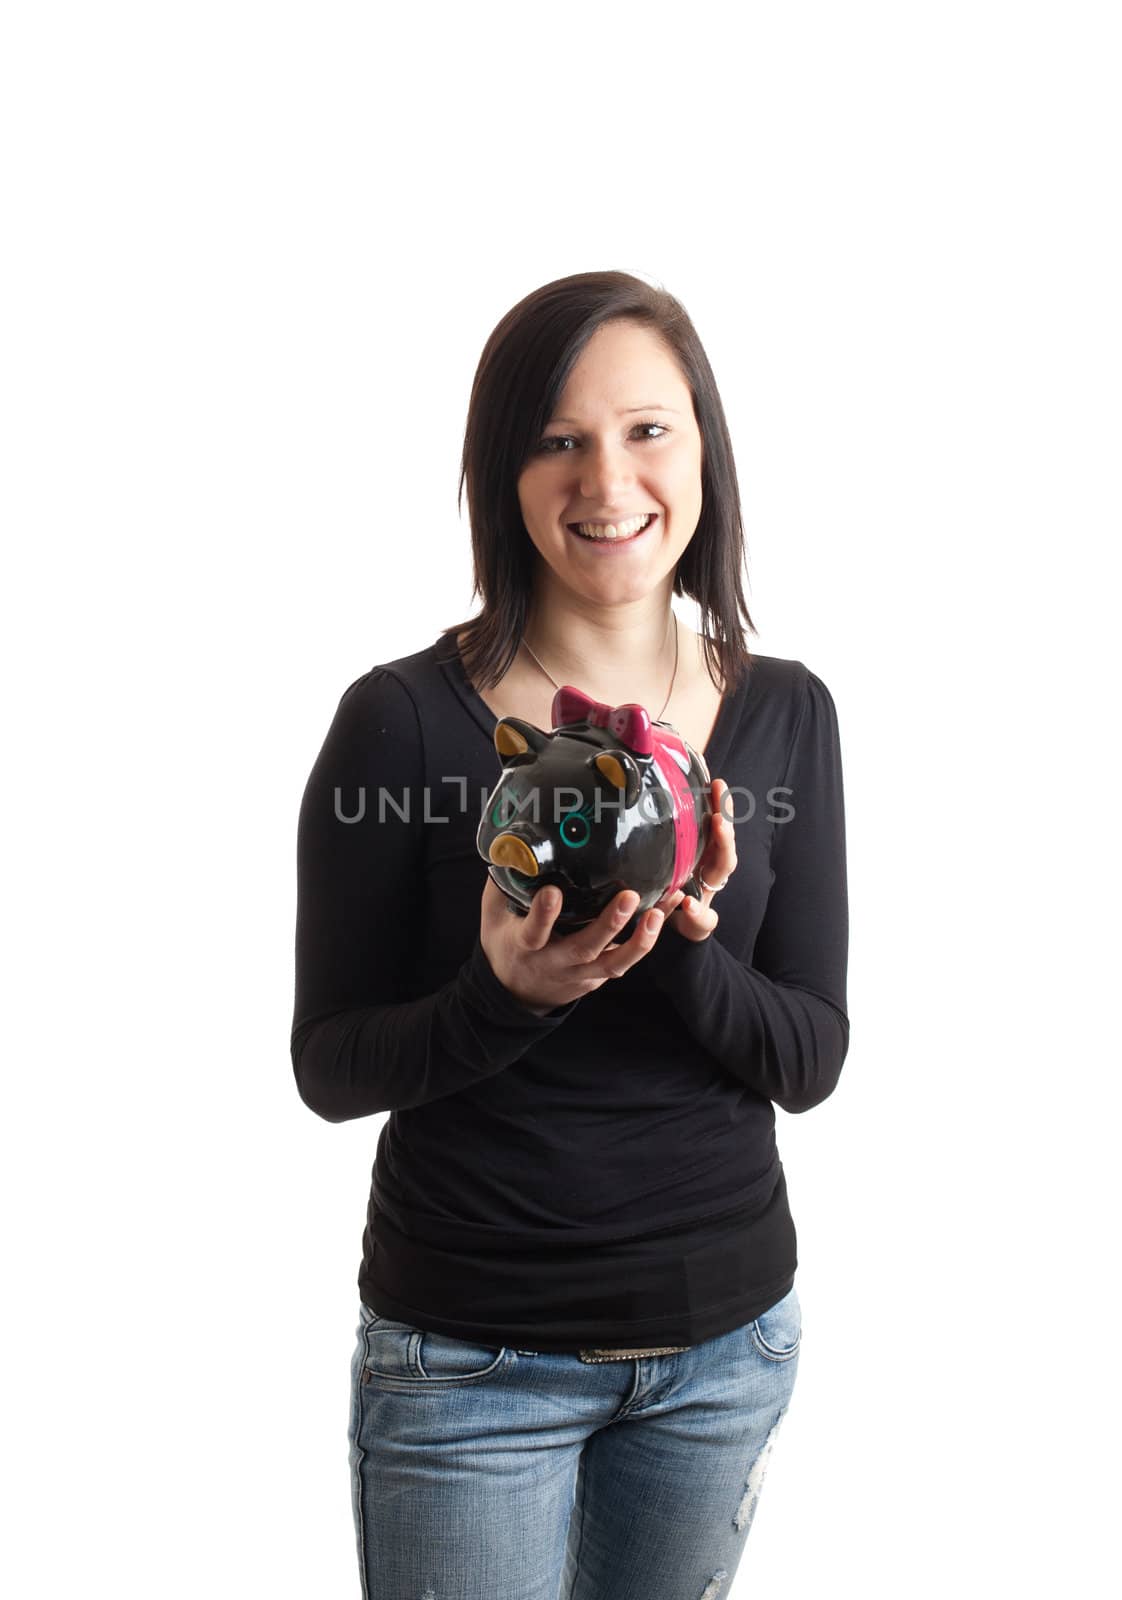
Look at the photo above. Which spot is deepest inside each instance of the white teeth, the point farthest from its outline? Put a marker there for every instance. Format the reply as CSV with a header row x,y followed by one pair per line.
x,y
612,530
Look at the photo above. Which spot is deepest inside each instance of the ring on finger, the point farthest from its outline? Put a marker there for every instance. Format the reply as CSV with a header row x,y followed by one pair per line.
x,y
711,887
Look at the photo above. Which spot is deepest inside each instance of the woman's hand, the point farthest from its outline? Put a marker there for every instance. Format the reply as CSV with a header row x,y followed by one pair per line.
x,y
696,919
544,973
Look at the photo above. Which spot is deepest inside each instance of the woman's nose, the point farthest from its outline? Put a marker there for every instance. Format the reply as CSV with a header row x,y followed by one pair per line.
x,y
606,474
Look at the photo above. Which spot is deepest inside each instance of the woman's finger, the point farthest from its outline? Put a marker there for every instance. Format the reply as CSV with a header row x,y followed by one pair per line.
x,y
718,861
532,929
545,907
694,919
588,944
670,902
691,917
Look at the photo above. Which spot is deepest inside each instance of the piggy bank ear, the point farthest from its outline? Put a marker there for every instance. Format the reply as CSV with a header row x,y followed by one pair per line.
x,y
516,740
621,771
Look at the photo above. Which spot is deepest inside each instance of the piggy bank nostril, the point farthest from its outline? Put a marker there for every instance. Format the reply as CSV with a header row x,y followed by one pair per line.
x,y
508,850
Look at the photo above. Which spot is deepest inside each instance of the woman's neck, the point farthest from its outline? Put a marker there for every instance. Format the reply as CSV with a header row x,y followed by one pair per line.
x,y
606,646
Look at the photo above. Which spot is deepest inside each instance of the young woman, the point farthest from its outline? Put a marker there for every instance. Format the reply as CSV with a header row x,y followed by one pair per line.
x,y
578,1327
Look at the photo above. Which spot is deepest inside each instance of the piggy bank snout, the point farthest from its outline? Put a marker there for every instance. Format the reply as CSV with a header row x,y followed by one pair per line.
x,y
511,850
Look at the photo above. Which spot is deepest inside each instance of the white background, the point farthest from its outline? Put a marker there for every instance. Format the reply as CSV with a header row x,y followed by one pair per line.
x,y
253,253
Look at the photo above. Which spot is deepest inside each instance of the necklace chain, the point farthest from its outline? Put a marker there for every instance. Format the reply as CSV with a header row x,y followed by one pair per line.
x,y
673,675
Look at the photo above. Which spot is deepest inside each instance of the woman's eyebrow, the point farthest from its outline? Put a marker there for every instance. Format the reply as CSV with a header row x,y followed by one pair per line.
x,y
626,412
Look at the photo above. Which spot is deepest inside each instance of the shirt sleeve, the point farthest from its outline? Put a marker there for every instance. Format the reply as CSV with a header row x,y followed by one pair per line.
x,y
779,1022
362,1041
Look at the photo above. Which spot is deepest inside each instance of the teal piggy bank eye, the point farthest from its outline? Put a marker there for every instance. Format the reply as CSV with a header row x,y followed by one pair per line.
x,y
505,809
575,829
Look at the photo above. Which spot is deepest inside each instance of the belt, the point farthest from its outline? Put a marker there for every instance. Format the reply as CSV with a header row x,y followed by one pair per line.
x,y
606,1354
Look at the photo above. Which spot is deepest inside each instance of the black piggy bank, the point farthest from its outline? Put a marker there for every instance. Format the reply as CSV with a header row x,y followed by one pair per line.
x,y
608,800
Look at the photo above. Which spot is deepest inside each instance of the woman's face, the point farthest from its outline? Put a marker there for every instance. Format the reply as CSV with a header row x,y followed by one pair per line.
x,y
624,441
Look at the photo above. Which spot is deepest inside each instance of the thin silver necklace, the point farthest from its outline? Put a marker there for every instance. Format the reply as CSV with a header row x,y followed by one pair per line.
x,y
673,676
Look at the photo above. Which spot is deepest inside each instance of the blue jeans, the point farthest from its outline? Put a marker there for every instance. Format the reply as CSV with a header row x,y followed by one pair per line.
x,y
480,1472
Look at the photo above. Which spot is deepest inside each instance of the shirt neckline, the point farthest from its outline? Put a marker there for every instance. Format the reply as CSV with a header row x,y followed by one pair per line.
x,y
447,652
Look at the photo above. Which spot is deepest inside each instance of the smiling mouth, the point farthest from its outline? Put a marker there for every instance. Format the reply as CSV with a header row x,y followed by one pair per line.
x,y
613,538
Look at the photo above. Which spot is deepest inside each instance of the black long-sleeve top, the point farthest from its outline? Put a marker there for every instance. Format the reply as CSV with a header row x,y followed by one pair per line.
x,y
606,1174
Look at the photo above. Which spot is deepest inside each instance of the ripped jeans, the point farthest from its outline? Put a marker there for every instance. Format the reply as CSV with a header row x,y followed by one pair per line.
x,y
481,1473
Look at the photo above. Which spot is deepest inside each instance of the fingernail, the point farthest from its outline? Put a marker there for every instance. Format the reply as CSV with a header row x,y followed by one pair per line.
x,y
654,920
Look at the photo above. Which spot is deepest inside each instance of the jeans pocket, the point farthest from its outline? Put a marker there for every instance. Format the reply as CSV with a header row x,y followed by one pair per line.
x,y
446,1360
400,1353
778,1331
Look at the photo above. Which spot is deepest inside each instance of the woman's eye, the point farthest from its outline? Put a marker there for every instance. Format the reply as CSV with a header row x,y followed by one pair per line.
x,y
548,445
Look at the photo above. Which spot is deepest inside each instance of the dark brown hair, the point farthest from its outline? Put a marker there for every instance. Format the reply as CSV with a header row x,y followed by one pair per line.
x,y
518,384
